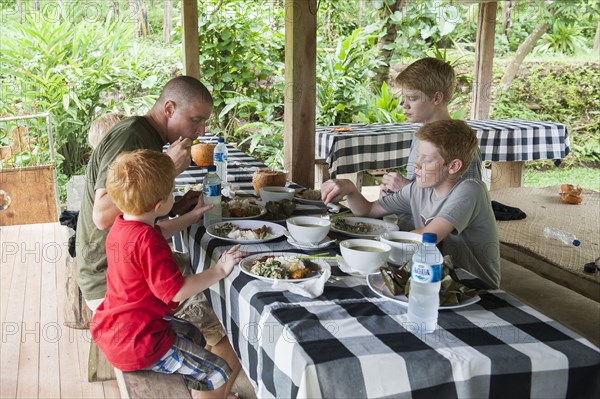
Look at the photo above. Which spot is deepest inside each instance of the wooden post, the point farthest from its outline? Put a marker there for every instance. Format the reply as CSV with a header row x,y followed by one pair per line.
x,y
484,59
504,174
191,44
300,90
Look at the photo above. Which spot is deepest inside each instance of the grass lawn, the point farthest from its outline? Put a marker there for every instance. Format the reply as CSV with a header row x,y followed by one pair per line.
x,y
586,177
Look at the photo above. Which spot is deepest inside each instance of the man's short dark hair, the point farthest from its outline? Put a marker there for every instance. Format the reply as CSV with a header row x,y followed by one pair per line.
x,y
185,89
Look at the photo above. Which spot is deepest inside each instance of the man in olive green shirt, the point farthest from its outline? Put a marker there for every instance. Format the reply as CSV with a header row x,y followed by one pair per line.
x,y
178,117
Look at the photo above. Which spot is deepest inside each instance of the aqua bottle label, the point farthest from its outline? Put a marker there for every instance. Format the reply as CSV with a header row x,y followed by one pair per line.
x,y
219,157
424,273
212,190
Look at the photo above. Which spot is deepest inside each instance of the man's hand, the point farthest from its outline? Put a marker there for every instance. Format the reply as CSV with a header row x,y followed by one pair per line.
x,y
179,151
186,203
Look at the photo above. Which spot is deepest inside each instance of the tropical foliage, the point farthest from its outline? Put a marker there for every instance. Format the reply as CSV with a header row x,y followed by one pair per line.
x,y
79,66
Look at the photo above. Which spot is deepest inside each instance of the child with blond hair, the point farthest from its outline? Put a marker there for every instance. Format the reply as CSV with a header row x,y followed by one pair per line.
x,y
440,200
100,126
427,87
134,325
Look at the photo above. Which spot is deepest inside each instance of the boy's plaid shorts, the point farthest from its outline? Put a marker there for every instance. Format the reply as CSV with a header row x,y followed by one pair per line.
x,y
202,370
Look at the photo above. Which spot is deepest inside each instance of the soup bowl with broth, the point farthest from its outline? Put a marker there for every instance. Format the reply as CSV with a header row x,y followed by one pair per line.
x,y
308,229
276,193
403,243
363,255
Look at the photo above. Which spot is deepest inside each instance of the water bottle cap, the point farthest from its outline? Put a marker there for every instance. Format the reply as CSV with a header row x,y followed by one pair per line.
x,y
576,243
429,238
212,168
220,140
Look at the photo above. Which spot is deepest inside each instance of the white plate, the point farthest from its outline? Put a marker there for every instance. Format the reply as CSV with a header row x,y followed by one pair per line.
x,y
377,285
381,226
246,265
262,212
348,270
325,242
276,230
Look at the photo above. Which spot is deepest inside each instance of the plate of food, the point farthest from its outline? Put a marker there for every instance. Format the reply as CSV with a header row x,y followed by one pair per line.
x,y
279,211
361,227
245,231
309,196
288,266
393,283
241,208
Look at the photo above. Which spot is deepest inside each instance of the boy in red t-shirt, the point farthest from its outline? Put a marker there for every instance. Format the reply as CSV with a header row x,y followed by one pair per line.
x,y
134,326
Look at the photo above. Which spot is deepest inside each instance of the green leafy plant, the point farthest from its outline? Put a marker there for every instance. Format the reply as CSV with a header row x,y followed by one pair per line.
x,y
265,142
242,54
383,107
564,38
63,68
343,76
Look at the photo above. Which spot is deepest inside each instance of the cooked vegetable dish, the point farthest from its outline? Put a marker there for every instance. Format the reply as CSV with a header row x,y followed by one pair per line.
x,y
279,267
452,290
233,231
357,228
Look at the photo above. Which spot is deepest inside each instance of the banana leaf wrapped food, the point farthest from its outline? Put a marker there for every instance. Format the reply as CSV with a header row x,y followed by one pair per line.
x,y
452,290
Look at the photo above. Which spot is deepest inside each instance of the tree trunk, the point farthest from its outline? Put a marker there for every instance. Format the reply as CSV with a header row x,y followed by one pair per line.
x,y
133,14
144,24
384,43
524,49
20,10
507,10
597,37
168,16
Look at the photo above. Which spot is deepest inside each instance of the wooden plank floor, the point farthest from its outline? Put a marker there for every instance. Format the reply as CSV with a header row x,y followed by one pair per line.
x,y
39,355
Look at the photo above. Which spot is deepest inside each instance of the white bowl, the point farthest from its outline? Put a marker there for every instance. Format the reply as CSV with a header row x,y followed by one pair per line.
x,y
403,243
308,229
364,256
275,193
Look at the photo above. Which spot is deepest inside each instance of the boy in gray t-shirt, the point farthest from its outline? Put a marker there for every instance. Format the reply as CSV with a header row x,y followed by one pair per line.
x,y
440,200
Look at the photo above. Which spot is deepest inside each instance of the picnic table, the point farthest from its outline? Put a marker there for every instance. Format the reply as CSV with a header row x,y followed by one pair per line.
x,y
351,342
507,143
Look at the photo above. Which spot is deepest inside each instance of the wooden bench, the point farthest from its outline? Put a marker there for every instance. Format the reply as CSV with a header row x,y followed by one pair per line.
x,y
149,384
78,315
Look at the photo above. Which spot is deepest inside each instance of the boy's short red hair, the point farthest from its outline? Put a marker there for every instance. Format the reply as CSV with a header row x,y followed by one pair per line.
x,y
136,181
453,139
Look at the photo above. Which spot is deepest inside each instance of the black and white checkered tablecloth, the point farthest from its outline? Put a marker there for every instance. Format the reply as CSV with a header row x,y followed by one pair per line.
x,y
240,168
383,146
350,343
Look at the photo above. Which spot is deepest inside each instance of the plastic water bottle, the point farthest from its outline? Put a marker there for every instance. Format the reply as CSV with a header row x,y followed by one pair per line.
x,y
425,282
567,238
212,195
220,159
